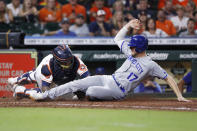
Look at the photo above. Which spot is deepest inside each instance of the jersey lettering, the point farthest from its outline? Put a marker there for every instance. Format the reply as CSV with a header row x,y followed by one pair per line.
x,y
132,77
137,65
139,68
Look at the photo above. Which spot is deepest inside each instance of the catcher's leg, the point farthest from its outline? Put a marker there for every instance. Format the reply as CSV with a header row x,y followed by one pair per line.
x,y
20,92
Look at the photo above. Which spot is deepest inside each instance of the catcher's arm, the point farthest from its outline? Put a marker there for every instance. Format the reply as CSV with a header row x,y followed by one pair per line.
x,y
175,88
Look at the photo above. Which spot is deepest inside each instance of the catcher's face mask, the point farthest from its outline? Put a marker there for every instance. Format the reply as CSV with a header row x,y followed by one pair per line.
x,y
67,64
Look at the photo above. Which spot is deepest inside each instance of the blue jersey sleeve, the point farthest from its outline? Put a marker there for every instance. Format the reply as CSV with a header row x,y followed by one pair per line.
x,y
139,88
188,78
44,83
85,74
45,70
158,88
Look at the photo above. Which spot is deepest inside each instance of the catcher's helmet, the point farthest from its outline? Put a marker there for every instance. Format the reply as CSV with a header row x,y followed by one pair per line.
x,y
63,56
140,43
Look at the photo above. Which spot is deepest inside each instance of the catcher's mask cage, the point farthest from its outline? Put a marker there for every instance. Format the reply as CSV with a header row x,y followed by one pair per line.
x,y
140,43
63,56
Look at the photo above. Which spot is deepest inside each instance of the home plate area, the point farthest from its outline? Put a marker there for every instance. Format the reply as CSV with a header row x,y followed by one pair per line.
x,y
129,103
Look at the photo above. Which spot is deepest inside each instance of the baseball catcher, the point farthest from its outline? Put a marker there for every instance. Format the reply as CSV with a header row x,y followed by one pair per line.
x,y
58,68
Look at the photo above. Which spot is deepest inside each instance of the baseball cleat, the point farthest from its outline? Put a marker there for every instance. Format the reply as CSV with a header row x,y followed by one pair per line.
x,y
75,97
36,96
19,92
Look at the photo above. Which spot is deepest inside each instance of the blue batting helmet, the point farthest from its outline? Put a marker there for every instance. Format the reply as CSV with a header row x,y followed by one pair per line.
x,y
63,56
140,43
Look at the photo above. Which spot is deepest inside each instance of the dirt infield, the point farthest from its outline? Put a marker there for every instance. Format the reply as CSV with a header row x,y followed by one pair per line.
x,y
129,103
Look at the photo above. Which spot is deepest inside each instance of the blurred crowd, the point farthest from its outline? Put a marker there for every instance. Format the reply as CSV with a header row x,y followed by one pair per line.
x,y
81,18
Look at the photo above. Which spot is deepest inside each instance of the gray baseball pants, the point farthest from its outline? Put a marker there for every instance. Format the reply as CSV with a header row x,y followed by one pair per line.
x,y
102,87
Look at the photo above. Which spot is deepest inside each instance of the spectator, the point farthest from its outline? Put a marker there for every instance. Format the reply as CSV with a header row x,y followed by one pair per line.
x,y
169,9
43,3
190,32
100,71
195,18
143,7
86,3
161,3
148,86
28,11
72,9
117,22
184,2
142,16
189,9
50,13
99,5
64,31
34,3
15,7
125,8
80,28
118,6
180,21
111,2
165,25
152,31
5,14
100,27
130,5
187,80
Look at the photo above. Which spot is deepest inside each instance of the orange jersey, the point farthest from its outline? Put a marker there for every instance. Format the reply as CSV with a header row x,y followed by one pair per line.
x,y
107,11
44,14
68,9
167,26
161,3
43,3
183,2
